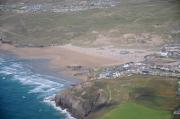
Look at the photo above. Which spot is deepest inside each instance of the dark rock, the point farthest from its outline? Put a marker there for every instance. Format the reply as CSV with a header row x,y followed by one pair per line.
x,y
80,102
6,41
30,45
78,67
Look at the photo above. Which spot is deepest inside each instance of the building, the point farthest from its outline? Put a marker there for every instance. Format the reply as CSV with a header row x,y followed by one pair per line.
x,y
176,114
178,90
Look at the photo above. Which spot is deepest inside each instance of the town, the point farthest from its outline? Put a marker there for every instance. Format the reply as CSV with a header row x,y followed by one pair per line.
x,y
59,7
146,67
166,63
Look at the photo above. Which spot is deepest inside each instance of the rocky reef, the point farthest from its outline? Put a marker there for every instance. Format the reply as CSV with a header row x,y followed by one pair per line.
x,y
82,99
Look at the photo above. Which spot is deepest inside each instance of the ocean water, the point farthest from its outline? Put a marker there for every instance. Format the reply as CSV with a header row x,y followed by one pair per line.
x,y
26,93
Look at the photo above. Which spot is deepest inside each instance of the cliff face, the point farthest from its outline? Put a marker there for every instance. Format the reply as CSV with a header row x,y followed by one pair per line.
x,y
80,101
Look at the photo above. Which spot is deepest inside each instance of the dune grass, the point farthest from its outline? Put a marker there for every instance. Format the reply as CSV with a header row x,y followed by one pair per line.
x,y
131,16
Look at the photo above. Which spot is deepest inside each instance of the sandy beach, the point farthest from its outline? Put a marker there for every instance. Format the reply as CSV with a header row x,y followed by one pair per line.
x,y
61,57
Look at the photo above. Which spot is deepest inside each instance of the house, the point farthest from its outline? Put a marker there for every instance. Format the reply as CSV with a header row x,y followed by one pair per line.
x,y
145,72
103,75
116,74
178,90
176,114
165,54
126,65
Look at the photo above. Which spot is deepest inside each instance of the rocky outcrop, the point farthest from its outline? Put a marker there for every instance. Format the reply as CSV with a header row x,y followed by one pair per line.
x,y
4,40
81,100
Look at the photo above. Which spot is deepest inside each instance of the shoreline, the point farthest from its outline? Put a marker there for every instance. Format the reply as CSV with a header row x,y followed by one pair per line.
x,y
62,57
57,57
51,102
49,79
58,101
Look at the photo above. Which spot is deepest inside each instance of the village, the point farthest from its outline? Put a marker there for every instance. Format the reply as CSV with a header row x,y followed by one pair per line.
x,y
155,64
177,111
165,63
171,50
58,7
145,68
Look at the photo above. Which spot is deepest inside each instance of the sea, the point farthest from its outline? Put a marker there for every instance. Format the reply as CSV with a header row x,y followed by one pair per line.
x,y
27,88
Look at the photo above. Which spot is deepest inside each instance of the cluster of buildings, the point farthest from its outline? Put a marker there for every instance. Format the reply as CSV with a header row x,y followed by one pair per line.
x,y
172,50
116,71
176,114
178,90
145,68
59,6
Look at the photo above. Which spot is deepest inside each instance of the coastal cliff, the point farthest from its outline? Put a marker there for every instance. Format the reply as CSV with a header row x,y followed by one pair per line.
x,y
93,100
81,100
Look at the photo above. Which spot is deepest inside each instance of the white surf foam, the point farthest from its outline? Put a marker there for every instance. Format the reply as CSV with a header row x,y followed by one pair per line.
x,y
41,84
49,100
5,72
1,60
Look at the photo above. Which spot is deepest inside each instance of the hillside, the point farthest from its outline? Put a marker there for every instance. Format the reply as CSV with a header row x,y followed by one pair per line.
x,y
127,97
132,23
26,1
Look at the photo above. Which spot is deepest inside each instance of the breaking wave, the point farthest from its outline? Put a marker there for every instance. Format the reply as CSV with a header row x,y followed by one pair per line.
x,y
44,85
49,101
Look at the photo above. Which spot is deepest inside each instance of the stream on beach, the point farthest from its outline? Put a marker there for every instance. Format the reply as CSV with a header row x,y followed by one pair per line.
x,y
27,88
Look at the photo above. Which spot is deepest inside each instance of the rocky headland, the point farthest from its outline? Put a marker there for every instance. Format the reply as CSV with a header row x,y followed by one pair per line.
x,y
85,99
82,99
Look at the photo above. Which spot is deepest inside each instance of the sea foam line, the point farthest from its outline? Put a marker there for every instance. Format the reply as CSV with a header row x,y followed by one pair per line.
x,y
26,77
50,101
41,83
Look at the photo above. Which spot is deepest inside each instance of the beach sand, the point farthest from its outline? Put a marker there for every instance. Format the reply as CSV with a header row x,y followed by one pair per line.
x,y
61,57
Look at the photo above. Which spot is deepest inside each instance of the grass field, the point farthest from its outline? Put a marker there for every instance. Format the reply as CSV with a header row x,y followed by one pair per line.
x,y
152,96
132,110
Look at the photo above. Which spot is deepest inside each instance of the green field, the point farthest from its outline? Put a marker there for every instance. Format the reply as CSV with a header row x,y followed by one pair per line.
x,y
132,110
135,97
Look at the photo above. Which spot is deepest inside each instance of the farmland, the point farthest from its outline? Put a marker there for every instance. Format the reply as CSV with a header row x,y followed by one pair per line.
x,y
146,95
134,111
